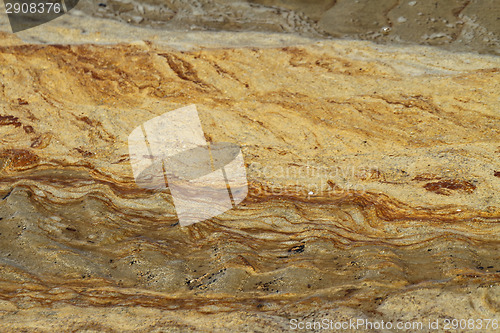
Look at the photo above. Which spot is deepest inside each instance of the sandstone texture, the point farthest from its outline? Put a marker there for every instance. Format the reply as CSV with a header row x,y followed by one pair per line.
x,y
373,176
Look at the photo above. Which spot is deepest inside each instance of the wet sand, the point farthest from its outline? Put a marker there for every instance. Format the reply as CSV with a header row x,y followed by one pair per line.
x,y
458,25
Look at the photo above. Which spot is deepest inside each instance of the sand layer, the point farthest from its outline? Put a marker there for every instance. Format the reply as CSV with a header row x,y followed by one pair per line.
x,y
373,187
462,25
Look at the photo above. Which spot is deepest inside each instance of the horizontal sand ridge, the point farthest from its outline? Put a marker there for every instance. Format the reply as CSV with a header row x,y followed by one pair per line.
x,y
459,25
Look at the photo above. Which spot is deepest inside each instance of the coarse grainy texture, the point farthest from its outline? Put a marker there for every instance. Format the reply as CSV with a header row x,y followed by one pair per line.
x,y
373,187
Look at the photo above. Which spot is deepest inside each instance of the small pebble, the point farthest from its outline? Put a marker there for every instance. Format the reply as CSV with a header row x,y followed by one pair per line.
x,y
386,30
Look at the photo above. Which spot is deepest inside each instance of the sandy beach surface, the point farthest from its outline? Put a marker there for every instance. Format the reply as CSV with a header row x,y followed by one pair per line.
x,y
371,154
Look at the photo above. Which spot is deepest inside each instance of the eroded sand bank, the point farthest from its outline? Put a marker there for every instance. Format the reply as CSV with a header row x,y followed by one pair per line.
x,y
373,184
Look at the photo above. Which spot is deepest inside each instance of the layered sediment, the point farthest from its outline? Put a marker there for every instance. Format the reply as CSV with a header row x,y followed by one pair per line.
x,y
373,182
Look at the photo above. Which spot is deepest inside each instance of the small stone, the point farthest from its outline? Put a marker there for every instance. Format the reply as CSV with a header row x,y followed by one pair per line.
x,y
385,30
